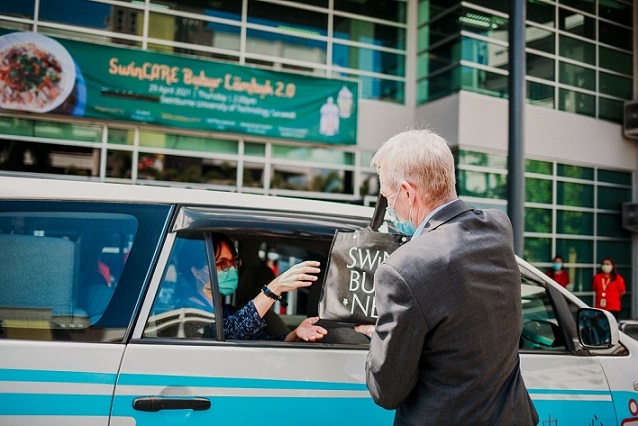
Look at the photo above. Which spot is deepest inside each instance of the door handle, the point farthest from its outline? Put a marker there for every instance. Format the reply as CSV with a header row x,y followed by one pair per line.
x,y
156,403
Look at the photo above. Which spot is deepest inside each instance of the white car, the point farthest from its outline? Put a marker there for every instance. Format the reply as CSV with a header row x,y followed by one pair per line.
x,y
93,330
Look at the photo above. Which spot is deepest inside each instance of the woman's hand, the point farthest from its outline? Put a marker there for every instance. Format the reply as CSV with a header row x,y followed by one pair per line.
x,y
366,329
299,275
307,332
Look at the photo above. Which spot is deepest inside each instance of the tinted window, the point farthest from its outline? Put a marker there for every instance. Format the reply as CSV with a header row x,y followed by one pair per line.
x,y
74,271
541,330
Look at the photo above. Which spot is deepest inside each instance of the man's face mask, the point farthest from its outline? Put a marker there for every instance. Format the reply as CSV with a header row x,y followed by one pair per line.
x,y
405,227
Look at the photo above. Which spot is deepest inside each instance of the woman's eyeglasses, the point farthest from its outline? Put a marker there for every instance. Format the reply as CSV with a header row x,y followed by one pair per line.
x,y
225,264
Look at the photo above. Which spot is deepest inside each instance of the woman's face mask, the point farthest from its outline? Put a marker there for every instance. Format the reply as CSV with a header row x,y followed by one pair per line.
x,y
228,281
606,268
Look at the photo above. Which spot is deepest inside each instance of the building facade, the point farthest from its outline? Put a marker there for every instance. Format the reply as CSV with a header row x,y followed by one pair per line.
x,y
436,63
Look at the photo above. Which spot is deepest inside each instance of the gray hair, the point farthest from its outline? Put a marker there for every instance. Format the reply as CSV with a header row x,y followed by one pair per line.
x,y
422,158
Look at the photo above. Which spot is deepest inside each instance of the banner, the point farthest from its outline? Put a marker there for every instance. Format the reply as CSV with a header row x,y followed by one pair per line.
x,y
46,75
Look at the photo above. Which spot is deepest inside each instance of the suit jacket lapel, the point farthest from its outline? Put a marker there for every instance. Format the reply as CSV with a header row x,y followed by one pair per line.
x,y
447,213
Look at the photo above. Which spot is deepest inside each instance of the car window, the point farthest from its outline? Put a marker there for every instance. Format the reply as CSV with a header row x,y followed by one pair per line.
x,y
64,264
181,308
180,312
541,329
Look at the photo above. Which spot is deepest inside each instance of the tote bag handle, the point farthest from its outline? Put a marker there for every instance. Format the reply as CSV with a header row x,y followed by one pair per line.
x,y
379,213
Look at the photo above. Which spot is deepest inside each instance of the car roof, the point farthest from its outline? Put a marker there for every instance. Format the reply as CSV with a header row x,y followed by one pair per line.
x,y
15,188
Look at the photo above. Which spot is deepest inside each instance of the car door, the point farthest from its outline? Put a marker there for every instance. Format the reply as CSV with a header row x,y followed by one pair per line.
x,y
71,275
178,369
567,384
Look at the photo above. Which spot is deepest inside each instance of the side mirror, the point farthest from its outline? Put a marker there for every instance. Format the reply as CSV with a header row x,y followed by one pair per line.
x,y
597,328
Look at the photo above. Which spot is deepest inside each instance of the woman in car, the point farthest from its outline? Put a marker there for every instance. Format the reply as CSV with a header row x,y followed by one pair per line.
x,y
246,323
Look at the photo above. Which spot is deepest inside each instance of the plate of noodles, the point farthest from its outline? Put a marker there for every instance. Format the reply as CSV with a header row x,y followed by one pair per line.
x,y
37,73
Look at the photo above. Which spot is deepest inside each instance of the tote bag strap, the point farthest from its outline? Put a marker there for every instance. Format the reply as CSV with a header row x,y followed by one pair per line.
x,y
379,213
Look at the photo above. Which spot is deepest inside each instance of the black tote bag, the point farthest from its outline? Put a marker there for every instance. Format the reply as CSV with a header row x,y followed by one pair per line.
x,y
347,295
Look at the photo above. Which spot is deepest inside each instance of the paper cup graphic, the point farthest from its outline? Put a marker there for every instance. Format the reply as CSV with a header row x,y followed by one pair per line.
x,y
344,101
36,72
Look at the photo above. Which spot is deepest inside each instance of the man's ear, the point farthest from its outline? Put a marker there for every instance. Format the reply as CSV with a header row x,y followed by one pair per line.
x,y
410,190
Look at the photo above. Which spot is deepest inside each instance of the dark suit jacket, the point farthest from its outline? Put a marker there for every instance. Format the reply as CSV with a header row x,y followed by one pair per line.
x,y
445,350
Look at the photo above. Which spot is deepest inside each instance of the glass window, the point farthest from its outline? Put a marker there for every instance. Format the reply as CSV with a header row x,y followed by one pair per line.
x,y
34,157
612,110
386,10
119,164
584,5
576,172
16,126
91,258
86,14
314,155
540,94
440,84
577,24
253,175
58,130
539,39
615,60
379,88
482,23
538,220
580,251
194,31
121,136
19,9
482,81
575,194
575,75
187,169
615,85
483,53
187,142
440,28
614,35
369,60
616,11
255,149
288,19
311,179
480,184
183,307
538,190
346,28
541,329
540,12
497,5
540,66
620,251
577,50
612,198
610,225
612,176
443,55
286,46
575,223
537,249
580,103
475,158
541,167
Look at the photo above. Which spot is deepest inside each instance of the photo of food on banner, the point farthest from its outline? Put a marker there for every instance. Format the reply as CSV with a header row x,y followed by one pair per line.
x,y
347,296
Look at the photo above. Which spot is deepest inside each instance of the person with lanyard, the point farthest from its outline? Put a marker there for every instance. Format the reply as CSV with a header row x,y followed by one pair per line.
x,y
609,287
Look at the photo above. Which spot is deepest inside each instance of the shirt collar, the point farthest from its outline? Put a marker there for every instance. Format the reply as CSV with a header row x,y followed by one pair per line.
x,y
421,226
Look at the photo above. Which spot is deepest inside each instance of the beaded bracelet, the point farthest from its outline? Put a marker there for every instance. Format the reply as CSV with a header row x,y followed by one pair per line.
x,y
273,296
